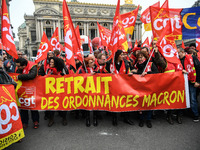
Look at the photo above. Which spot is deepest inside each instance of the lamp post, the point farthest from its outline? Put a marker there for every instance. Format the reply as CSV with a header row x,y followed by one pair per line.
x,y
27,42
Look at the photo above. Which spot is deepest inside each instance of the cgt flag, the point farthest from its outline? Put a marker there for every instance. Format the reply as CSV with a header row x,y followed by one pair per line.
x,y
45,46
145,17
6,32
55,44
11,129
191,25
161,16
118,36
146,43
129,20
167,46
90,45
71,42
105,35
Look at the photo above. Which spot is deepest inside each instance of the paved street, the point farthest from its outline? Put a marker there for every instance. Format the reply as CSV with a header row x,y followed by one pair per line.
x,y
77,136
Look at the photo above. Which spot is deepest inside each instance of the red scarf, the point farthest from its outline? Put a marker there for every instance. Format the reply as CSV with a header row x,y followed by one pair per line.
x,y
122,68
26,70
46,66
53,71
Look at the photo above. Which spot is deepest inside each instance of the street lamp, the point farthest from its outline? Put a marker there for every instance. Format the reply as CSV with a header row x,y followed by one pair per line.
x,y
27,42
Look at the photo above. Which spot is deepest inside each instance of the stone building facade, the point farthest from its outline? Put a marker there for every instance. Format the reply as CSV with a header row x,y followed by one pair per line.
x,y
48,16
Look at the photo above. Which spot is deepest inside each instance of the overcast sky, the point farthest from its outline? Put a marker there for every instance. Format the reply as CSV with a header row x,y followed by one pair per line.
x,y
20,7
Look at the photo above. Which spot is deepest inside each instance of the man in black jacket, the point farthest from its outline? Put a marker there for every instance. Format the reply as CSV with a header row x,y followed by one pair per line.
x,y
4,77
192,65
28,71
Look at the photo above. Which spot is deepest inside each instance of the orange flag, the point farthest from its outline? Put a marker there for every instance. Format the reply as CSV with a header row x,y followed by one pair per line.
x,y
165,4
146,43
183,46
45,46
129,20
136,44
70,39
105,35
6,32
55,44
167,46
90,45
118,36
145,17
79,38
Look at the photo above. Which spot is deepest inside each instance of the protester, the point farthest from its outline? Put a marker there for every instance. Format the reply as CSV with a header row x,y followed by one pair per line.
x,y
191,65
27,71
142,68
20,54
101,61
4,77
56,67
89,68
121,66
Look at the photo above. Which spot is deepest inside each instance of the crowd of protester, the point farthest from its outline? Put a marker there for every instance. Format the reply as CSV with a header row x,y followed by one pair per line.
x,y
134,61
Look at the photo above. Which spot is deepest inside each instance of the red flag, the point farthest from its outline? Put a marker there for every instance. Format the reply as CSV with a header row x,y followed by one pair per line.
x,y
70,39
167,46
145,17
198,44
105,34
146,43
62,48
45,46
161,16
90,45
6,32
79,38
55,40
129,20
183,46
136,44
118,37
129,42
165,4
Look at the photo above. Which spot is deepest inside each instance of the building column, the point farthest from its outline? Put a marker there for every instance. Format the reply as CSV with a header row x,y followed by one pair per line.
x,y
85,28
38,30
87,33
59,28
41,28
54,25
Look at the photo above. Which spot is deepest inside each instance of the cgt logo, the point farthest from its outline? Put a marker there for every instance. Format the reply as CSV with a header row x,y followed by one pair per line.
x,y
27,96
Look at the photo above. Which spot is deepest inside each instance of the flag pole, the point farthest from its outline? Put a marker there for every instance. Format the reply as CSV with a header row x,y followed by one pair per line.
x,y
148,60
2,54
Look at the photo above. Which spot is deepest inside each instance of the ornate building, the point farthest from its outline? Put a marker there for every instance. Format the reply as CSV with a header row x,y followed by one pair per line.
x,y
48,16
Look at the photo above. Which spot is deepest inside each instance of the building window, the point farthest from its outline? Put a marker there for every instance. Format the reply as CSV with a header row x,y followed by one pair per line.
x,y
92,24
92,33
33,36
81,31
105,25
78,24
62,33
47,22
133,35
48,32
34,53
